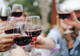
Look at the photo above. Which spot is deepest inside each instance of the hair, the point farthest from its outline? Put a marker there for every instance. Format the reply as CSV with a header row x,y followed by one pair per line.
x,y
58,25
75,33
25,14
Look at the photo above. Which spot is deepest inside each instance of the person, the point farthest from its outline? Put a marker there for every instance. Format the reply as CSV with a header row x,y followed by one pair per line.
x,y
6,41
55,39
75,22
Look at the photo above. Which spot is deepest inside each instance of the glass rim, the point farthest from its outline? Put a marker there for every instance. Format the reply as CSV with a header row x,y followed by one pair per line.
x,y
17,5
33,17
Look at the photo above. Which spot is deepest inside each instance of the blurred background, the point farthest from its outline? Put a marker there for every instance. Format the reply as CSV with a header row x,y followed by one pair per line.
x,y
46,9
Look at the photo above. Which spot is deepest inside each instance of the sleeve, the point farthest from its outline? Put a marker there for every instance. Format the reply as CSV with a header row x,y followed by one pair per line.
x,y
78,38
53,35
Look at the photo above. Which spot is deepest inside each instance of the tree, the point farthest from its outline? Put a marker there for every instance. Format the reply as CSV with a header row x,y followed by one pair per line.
x,y
44,13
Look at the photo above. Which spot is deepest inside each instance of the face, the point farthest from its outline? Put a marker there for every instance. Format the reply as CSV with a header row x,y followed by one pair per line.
x,y
64,25
18,10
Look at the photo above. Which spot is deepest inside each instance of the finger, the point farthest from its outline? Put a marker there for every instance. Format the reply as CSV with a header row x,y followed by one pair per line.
x,y
39,46
40,40
6,41
5,47
7,36
33,44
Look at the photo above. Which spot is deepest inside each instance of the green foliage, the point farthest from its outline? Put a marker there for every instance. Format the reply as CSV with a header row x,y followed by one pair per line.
x,y
47,31
1,54
7,0
49,16
33,10
61,1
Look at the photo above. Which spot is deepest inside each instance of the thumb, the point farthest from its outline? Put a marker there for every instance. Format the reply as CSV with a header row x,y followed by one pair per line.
x,y
40,40
39,46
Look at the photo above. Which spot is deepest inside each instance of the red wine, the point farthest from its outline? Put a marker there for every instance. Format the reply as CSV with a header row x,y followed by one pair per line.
x,y
63,16
4,18
10,31
16,14
33,33
23,40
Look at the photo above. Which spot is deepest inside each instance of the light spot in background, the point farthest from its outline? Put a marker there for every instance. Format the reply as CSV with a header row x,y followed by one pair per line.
x,y
49,1
35,3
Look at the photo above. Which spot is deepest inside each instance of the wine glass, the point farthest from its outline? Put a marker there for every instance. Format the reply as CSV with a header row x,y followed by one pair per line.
x,y
33,28
5,15
23,39
68,31
17,10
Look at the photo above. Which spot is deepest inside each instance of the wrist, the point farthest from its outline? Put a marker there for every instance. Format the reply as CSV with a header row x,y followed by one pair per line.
x,y
50,43
75,24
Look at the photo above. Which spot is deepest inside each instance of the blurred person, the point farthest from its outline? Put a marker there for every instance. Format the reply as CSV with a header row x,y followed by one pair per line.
x,y
54,39
75,22
22,18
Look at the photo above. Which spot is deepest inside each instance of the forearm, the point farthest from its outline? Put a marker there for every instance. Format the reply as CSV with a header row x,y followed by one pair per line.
x,y
50,43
